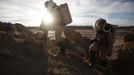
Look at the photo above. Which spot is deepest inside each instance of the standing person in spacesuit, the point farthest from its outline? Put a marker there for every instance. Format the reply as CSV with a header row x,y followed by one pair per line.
x,y
57,23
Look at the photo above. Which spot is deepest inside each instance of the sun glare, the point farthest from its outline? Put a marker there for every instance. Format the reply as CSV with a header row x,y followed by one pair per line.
x,y
48,19
37,16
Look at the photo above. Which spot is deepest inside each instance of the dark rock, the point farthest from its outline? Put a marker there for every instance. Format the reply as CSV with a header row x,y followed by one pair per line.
x,y
8,27
76,42
7,40
17,57
124,64
21,28
128,38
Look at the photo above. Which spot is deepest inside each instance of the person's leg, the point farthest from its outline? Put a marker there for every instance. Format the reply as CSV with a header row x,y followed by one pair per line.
x,y
103,54
45,34
58,32
62,45
93,58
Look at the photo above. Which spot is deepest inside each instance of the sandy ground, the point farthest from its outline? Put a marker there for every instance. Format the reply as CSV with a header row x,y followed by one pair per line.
x,y
24,53
72,64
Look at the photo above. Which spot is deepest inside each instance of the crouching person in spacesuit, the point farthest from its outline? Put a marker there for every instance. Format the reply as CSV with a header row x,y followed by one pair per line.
x,y
102,44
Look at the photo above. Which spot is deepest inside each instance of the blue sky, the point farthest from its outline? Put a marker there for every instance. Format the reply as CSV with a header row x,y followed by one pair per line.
x,y
84,12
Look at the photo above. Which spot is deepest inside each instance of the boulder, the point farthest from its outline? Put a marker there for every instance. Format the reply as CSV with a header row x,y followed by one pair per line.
x,y
22,28
124,63
8,27
76,42
27,57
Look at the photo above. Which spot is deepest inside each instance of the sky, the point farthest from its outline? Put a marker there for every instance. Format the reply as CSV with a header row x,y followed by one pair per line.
x,y
84,12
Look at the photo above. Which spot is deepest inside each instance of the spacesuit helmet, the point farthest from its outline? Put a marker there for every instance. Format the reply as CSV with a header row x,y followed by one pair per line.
x,y
99,24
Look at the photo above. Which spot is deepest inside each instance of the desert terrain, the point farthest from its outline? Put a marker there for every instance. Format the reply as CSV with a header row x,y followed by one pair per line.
x,y
24,52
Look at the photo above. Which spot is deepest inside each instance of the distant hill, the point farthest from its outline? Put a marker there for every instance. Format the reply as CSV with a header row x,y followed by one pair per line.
x,y
79,27
70,27
127,27
73,27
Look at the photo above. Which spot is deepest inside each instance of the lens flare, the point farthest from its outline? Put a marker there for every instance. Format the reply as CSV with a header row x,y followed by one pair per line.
x,y
48,19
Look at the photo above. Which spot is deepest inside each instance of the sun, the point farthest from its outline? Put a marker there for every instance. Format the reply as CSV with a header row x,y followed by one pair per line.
x,y
48,19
